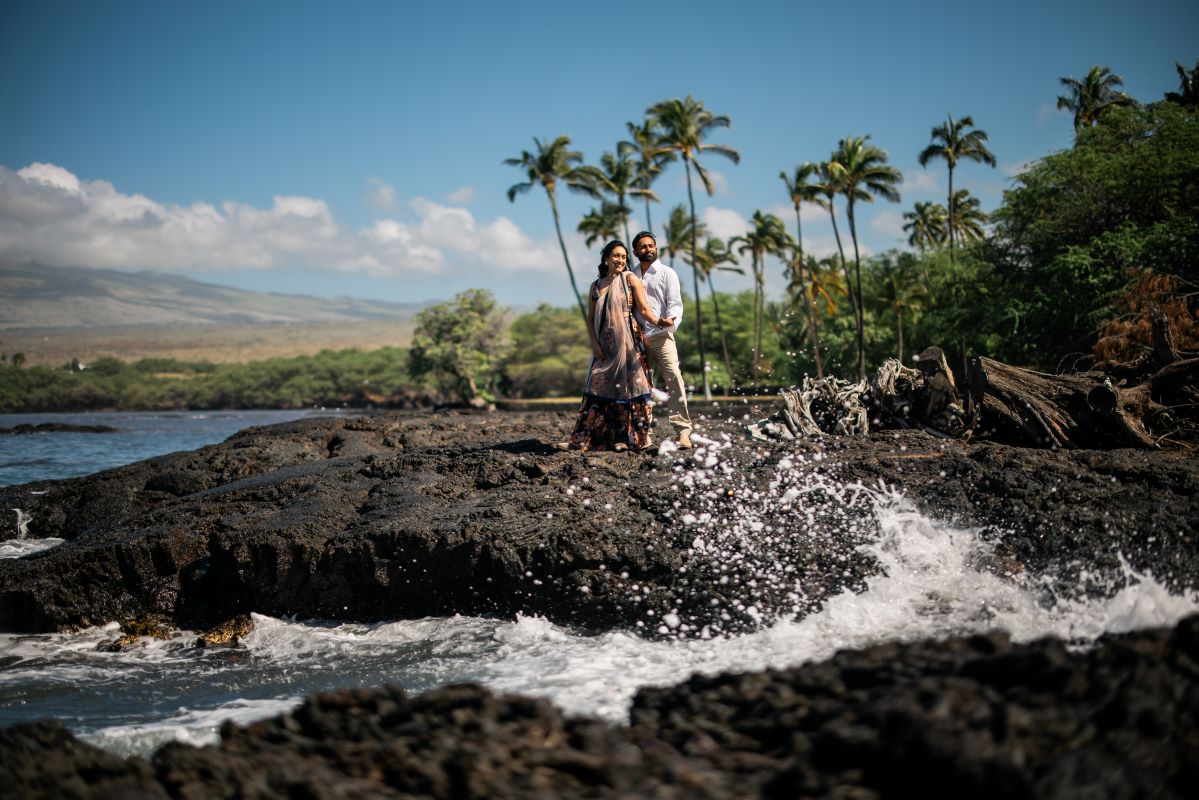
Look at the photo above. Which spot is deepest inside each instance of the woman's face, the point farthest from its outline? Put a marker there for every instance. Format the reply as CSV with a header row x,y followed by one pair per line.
x,y
618,259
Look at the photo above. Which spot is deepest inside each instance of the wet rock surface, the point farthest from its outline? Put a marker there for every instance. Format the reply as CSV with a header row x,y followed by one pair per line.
x,y
408,515
966,717
55,427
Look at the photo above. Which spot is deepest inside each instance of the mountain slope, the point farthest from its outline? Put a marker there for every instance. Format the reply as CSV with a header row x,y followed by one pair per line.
x,y
61,297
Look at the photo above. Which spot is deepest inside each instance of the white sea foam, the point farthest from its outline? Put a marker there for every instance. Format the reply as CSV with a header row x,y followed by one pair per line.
x,y
191,726
936,580
16,548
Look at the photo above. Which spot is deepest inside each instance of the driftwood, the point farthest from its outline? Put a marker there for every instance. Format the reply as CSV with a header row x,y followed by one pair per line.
x,y
1138,405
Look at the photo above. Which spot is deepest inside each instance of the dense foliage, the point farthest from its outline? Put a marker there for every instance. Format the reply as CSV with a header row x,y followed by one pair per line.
x,y
458,345
327,379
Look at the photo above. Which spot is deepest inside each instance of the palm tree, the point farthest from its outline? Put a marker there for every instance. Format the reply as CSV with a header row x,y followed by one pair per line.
x,y
684,125
903,293
825,279
550,165
862,172
713,254
801,189
618,177
651,158
1188,86
1093,96
927,226
677,233
768,236
968,218
603,224
830,187
952,142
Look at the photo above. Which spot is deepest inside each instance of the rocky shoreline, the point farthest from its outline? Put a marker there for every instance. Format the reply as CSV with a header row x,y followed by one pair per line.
x,y
409,515
967,717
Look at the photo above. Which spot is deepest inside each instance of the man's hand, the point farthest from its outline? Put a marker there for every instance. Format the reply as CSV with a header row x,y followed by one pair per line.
x,y
665,322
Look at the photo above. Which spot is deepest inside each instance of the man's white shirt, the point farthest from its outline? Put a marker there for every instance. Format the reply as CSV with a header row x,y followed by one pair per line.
x,y
664,295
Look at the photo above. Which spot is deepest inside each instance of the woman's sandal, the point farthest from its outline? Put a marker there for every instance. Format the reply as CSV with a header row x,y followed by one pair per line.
x,y
620,447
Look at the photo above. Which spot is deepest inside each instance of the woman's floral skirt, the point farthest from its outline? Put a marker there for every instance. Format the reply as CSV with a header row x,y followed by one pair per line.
x,y
604,423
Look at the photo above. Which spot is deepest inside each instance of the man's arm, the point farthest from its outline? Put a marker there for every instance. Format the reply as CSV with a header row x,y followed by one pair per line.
x,y
674,299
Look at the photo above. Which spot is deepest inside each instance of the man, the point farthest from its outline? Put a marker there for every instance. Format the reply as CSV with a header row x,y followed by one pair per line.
x,y
666,301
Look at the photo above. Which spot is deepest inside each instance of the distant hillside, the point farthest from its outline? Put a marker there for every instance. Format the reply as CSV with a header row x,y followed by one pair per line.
x,y
63,297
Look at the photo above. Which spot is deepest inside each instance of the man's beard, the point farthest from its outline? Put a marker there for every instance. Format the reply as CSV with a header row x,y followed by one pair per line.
x,y
647,258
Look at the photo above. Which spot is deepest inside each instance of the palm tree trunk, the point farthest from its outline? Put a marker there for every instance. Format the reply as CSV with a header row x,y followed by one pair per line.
x,y
857,268
628,244
724,344
899,325
570,270
757,318
649,226
949,206
953,260
803,284
699,317
853,301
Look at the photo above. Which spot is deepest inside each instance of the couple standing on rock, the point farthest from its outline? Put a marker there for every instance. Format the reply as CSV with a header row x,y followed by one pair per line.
x,y
631,319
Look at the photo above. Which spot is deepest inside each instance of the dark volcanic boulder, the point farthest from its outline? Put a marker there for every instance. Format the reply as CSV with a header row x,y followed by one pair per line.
x,y
408,515
975,717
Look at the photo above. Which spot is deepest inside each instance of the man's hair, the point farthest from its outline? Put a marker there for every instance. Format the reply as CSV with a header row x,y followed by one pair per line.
x,y
641,236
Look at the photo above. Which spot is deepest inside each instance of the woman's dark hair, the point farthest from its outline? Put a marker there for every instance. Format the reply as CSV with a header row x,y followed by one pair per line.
x,y
608,248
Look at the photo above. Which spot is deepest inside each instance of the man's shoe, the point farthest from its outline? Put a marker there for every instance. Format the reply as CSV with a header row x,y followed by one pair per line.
x,y
684,441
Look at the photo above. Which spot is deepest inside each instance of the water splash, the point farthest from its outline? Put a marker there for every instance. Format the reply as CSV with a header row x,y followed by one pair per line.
x,y
924,579
23,520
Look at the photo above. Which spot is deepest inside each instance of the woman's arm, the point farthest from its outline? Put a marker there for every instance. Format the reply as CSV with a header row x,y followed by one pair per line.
x,y
596,350
641,302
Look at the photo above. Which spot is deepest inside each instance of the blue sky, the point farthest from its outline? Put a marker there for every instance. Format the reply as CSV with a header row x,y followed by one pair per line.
x,y
356,148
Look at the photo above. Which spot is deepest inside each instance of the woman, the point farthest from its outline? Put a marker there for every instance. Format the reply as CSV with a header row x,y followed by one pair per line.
x,y
617,411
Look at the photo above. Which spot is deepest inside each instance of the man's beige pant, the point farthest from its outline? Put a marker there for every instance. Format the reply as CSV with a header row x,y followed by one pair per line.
x,y
663,359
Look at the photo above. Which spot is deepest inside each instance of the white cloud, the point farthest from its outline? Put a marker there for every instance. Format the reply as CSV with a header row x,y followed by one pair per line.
x,y
49,215
888,222
720,184
724,222
381,196
919,181
464,196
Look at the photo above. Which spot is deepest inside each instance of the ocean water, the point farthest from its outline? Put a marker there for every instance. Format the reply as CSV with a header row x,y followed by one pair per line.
x,y
55,455
937,581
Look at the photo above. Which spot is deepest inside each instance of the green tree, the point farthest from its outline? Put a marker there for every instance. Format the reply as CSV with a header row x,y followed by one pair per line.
x,y
548,348
603,224
18,360
767,236
1188,86
1075,224
618,175
684,125
711,258
968,218
952,142
902,291
830,188
926,226
650,157
801,188
460,344
550,165
862,172
1093,96
677,233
